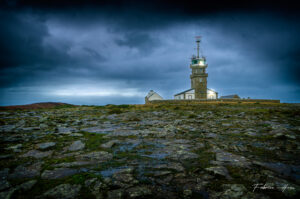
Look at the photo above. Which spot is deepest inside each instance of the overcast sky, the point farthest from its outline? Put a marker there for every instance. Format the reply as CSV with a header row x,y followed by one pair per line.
x,y
114,52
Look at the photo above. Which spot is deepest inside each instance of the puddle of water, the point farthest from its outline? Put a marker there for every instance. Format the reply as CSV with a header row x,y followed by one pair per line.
x,y
156,155
109,172
128,146
258,145
146,147
145,167
99,130
150,148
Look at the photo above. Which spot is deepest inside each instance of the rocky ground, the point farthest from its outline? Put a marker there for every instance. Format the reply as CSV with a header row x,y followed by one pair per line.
x,y
200,151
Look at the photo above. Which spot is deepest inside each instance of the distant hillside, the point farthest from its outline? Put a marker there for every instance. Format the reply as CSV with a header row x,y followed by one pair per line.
x,y
38,106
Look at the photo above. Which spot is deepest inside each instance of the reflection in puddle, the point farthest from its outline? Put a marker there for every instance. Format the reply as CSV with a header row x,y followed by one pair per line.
x,y
111,171
99,130
156,155
142,148
128,146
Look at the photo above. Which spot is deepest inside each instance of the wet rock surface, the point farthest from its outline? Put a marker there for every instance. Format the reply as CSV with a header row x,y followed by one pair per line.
x,y
37,154
58,173
63,191
77,145
154,151
46,145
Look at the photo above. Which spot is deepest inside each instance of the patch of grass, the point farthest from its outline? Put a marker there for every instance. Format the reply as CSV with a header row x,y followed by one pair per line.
x,y
131,137
81,178
133,119
115,111
192,116
65,106
176,108
98,107
181,113
202,162
49,162
93,140
205,158
235,136
238,173
262,153
125,106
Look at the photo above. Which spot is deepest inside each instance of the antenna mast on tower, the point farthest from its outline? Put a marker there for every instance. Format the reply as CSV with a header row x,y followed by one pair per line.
x,y
198,39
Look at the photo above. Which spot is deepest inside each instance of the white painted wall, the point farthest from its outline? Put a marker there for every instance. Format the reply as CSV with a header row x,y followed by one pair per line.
x,y
155,96
191,95
181,96
211,94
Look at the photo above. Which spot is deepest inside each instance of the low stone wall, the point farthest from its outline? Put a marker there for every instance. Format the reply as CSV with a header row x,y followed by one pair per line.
x,y
212,101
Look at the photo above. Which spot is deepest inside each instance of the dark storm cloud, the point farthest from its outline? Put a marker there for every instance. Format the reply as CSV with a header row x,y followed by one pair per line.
x,y
22,50
267,40
141,41
135,46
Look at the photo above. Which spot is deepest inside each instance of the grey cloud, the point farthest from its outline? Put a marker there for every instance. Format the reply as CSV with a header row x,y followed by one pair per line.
x,y
145,47
142,41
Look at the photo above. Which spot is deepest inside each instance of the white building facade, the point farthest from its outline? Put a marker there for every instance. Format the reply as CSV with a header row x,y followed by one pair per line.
x,y
151,96
190,94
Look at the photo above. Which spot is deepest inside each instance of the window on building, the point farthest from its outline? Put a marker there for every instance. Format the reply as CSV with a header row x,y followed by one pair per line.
x,y
190,97
201,80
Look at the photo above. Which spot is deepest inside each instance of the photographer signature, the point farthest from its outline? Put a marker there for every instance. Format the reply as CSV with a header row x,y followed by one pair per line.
x,y
266,186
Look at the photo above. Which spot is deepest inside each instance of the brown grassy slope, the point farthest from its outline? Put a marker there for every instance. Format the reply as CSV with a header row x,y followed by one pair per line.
x,y
36,106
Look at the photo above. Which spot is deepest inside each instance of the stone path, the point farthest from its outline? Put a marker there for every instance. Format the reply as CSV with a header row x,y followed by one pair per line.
x,y
203,151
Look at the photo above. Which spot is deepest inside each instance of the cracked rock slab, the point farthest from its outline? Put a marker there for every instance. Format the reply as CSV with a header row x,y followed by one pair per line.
x,y
232,159
138,192
58,173
63,191
76,146
46,145
220,170
27,172
37,154
110,144
99,156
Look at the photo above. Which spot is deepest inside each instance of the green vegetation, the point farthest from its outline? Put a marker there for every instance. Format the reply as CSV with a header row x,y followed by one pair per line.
x,y
93,140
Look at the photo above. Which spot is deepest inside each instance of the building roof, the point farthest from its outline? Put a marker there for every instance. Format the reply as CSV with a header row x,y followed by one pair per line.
x,y
192,89
151,92
184,91
212,90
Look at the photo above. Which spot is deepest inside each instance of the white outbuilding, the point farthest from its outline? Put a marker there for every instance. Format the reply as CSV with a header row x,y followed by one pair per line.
x,y
151,96
190,94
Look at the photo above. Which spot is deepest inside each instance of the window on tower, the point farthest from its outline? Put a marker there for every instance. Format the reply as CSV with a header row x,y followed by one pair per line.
x,y
201,80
